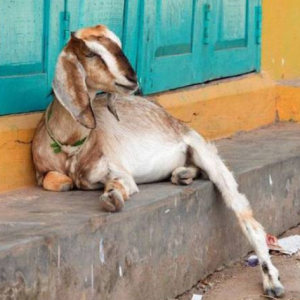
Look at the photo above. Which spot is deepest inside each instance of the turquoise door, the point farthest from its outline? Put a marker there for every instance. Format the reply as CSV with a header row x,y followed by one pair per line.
x,y
230,42
170,44
184,42
28,46
32,34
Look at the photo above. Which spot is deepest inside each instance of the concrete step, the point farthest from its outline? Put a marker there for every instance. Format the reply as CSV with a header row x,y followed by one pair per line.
x,y
60,246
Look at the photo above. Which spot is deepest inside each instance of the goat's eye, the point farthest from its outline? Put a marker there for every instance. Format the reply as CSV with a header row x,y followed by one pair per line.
x,y
90,55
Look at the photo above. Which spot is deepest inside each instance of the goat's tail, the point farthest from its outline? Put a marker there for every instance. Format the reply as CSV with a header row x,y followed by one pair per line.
x,y
205,157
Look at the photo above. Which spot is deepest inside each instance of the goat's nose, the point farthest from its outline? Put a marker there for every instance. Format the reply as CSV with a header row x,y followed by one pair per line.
x,y
139,92
132,79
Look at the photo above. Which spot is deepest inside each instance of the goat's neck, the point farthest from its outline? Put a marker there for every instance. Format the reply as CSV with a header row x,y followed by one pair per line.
x,y
63,126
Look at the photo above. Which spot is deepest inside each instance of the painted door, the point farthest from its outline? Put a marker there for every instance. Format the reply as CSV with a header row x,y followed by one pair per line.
x,y
230,40
29,45
184,42
33,34
170,44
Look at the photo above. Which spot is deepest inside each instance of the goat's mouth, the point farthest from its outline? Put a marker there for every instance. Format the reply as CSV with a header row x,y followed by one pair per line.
x,y
126,89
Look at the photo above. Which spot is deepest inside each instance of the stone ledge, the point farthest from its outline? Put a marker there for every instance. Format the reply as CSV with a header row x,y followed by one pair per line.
x,y
59,246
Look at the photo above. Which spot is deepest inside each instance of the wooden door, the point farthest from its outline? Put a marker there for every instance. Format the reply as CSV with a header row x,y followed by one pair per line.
x,y
29,46
170,44
231,42
184,42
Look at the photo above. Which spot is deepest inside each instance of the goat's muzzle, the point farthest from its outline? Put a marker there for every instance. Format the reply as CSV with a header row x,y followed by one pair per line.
x,y
127,89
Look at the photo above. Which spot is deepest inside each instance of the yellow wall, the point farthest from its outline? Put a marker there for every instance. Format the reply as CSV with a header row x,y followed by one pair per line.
x,y
16,134
288,103
221,109
281,38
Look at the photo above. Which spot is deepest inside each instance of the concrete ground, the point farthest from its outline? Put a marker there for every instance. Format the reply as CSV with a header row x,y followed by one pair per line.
x,y
60,246
240,282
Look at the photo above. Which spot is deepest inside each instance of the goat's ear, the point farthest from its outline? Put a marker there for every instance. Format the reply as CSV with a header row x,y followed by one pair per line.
x,y
70,89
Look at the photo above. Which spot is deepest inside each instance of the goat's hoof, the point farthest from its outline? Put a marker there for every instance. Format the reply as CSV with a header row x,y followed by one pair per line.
x,y
112,201
182,176
271,281
277,292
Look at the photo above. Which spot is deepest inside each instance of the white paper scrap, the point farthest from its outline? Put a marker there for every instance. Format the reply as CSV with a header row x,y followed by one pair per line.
x,y
252,257
197,297
290,244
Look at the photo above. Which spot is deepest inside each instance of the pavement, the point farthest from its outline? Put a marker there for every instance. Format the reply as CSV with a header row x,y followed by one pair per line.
x,y
241,282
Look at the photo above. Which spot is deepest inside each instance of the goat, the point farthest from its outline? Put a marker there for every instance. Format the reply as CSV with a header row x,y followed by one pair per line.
x,y
80,143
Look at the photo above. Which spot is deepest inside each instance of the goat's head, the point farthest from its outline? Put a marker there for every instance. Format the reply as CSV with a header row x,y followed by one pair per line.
x,y
91,61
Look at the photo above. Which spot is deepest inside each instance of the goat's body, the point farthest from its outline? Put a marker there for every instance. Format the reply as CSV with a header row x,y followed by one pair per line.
x,y
147,144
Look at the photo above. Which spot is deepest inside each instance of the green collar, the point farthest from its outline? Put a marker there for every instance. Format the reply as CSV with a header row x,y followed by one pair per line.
x,y
57,147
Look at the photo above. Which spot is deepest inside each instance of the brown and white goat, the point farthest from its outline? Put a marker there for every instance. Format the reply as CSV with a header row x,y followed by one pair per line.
x,y
79,143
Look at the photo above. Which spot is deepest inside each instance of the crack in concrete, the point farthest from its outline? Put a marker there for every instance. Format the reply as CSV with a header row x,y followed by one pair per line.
x,y
23,142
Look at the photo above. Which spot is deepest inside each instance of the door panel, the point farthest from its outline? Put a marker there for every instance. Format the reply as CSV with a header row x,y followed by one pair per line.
x,y
188,42
25,52
169,44
21,37
232,29
231,47
175,34
23,94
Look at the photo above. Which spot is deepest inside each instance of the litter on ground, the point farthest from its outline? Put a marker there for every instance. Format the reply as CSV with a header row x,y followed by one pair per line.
x,y
289,245
239,281
252,261
272,242
197,297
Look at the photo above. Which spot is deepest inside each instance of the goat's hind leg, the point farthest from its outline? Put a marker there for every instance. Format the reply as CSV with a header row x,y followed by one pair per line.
x,y
205,157
185,175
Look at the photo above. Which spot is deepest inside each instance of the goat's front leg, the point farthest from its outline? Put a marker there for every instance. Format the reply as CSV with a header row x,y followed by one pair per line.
x,y
118,187
114,196
57,182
